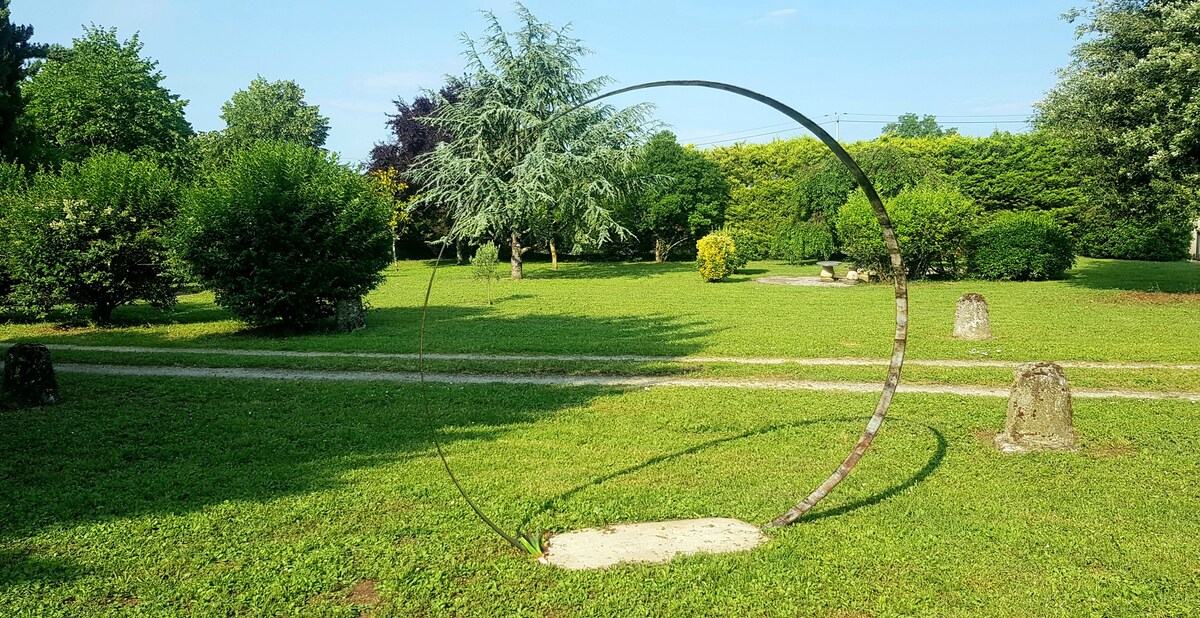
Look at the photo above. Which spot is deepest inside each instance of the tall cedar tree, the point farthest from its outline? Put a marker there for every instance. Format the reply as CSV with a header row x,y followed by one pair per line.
x,y
518,159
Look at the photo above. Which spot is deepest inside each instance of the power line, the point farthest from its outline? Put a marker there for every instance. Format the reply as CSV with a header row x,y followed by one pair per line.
x,y
735,139
770,126
940,117
995,119
956,122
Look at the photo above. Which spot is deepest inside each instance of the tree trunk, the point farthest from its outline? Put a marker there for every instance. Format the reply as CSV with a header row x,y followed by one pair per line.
x,y
102,312
517,255
458,253
660,256
553,255
395,262
489,290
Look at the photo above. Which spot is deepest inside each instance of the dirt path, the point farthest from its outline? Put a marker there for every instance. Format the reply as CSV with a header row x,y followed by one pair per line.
x,y
861,362
612,381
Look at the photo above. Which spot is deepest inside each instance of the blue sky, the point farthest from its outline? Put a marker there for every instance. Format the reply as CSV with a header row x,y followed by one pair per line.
x,y
976,65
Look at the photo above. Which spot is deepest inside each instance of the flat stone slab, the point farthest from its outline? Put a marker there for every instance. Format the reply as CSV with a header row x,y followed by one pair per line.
x,y
807,281
660,541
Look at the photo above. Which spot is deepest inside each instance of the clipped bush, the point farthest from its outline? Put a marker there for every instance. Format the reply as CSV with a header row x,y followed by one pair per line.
x,y
94,237
284,233
750,244
932,223
805,241
1020,246
715,256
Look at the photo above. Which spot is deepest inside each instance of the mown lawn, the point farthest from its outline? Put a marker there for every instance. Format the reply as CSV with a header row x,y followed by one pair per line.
x,y
168,497
1108,310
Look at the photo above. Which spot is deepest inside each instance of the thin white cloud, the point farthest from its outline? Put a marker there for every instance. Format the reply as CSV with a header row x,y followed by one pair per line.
x,y
773,17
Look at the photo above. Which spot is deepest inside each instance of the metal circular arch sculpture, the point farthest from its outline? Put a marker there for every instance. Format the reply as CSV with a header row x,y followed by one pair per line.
x,y
533,544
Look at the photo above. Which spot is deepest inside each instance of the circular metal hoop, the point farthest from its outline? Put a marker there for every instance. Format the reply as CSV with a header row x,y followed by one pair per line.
x,y
901,287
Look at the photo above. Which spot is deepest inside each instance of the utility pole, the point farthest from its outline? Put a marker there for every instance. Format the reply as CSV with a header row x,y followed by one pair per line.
x,y
837,123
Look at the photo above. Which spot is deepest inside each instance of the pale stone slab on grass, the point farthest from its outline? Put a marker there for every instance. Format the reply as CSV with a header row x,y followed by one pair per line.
x,y
804,281
660,541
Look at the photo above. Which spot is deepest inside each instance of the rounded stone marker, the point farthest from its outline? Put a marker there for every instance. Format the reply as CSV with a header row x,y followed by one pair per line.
x,y
351,315
28,376
1039,411
971,318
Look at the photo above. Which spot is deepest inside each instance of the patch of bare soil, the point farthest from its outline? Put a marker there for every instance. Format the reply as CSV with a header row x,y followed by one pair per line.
x,y
363,593
985,436
1106,450
1156,298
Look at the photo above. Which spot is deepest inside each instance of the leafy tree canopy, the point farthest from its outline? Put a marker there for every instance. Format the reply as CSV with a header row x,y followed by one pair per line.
x,y
1128,104
102,95
909,125
16,51
273,111
412,135
685,198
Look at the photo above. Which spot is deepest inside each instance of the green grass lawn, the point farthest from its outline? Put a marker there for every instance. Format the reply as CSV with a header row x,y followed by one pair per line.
x,y
167,497
1106,310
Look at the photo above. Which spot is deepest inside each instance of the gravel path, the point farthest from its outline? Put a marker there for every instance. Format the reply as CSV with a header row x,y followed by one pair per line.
x,y
620,358
612,381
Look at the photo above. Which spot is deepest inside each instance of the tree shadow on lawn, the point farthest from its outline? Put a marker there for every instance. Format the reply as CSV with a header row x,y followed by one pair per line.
x,y
1175,277
122,448
934,462
450,329
610,270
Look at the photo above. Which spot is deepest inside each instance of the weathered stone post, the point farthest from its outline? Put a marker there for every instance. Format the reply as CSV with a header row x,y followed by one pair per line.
x,y
971,318
351,315
1039,411
28,376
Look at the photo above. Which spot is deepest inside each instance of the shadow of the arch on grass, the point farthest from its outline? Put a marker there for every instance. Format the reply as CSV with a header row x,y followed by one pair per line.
x,y
931,466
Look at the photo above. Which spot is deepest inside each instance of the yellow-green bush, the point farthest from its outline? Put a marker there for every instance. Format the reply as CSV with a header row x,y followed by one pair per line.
x,y
715,256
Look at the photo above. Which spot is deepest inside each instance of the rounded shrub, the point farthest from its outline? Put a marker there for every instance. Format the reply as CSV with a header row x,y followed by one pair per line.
x,y
284,232
93,237
751,244
715,256
805,241
1020,246
932,224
